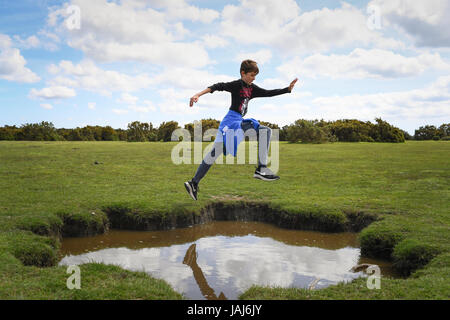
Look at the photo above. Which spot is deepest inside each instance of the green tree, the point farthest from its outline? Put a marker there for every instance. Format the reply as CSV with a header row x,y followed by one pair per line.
x,y
407,135
152,134
97,131
444,131
8,132
351,130
426,132
384,132
108,134
138,131
88,133
307,131
75,135
44,131
121,134
165,130
206,125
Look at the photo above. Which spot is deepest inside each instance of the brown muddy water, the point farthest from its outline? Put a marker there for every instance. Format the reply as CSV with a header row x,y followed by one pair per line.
x,y
222,259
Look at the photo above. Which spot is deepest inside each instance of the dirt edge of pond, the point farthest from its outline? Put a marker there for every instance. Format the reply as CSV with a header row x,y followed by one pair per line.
x,y
121,217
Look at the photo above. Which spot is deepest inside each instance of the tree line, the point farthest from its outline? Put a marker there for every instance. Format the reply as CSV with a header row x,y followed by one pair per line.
x,y
305,131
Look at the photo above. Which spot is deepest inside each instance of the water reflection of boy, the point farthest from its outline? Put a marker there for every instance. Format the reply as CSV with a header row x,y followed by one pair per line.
x,y
190,259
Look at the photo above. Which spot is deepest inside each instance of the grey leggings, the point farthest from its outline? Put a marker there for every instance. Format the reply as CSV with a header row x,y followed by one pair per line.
x,y
217,150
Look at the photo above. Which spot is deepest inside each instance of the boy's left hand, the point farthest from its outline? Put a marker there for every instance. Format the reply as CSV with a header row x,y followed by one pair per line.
x,y
291,86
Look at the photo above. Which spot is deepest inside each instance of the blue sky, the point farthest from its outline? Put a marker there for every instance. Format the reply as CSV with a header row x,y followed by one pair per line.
x,y
141,60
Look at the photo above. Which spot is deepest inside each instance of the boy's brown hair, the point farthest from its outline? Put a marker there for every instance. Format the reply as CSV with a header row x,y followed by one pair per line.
x,y
249,66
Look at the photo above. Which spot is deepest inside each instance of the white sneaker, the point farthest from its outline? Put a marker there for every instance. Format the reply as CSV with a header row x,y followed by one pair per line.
x,y
265,174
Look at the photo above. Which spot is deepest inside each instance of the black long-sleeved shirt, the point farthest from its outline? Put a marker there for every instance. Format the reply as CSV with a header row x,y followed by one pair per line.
x,y
242,93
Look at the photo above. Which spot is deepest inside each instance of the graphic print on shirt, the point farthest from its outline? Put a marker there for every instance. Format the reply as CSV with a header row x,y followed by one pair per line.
x,y
245,93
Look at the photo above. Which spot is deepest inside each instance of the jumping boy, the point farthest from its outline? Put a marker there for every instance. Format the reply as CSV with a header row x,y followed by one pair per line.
x,y
242,90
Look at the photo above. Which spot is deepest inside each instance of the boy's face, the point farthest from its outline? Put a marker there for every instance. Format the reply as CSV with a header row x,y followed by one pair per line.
x,y
248,77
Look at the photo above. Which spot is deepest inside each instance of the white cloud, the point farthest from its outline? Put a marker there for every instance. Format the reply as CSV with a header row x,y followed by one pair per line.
x,y
47,34
132,103
427,22
259,22
49,40
190,78
92,105
172,107
272,83
180,99
283,27
363,64
133,31
176,85
43,39
164,53
5,41
28,43
177,10
212,41
57,92
127,98
432,101
261,57
53,69
12,63
87,75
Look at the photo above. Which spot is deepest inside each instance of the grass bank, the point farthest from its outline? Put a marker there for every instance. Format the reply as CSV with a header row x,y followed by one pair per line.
x,y
398,194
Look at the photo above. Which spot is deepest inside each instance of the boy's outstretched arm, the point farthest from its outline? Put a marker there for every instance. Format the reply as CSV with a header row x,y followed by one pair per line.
x,y
194,98
260,92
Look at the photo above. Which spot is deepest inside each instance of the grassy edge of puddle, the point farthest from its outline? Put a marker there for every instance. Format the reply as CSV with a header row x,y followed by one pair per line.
x,y
29,254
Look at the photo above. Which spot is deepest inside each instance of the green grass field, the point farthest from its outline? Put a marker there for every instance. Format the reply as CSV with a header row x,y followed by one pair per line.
x,y
47,187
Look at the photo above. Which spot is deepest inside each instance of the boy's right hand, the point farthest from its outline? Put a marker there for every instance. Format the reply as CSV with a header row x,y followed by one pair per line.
x,y
194,99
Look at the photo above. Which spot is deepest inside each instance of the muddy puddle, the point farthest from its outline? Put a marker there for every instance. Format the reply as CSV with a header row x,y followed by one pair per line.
x,y
222,259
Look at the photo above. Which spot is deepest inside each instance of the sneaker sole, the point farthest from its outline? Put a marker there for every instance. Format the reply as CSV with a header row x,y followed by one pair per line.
x,y
257,176
189,190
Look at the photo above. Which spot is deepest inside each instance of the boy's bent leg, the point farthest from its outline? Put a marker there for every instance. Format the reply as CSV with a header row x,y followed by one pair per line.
x,y
262,172
264,135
